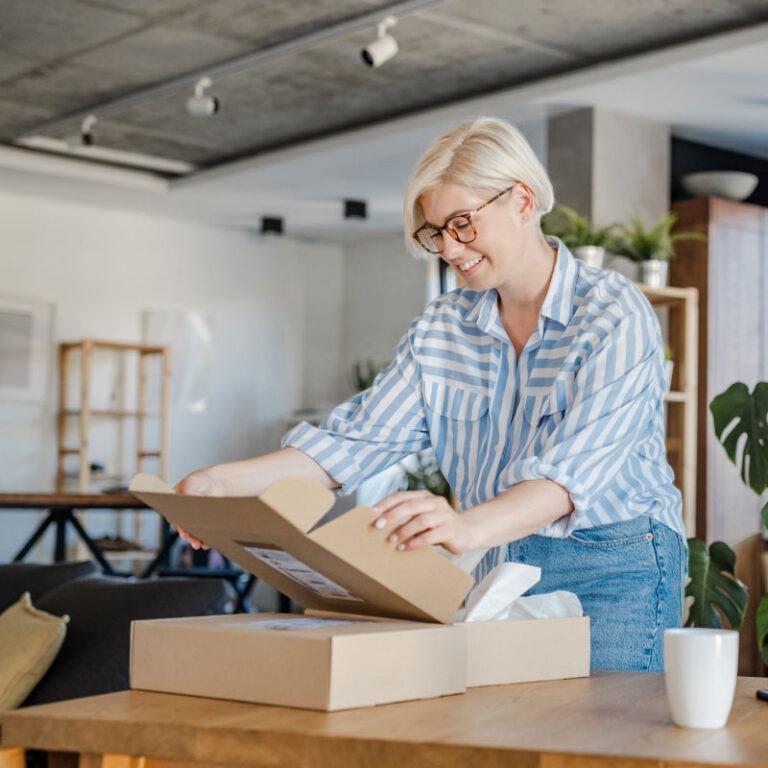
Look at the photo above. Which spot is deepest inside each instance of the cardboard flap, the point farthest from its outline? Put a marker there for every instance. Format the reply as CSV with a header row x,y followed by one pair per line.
x,y
420,584
300,502
344,565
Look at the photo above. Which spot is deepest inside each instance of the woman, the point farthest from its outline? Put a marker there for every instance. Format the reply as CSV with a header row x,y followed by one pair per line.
x,y
539,387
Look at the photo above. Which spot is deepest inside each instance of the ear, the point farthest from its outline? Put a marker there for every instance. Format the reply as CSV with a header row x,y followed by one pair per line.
x,y
524,201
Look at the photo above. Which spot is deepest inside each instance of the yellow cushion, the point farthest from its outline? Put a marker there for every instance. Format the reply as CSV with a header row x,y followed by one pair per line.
x,y
29,642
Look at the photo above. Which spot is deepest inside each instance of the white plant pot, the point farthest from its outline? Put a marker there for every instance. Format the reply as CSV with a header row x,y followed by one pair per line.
x,y
654,273
669,367
592,255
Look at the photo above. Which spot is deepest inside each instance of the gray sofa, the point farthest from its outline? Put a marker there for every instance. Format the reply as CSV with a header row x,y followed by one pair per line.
x,y
95,655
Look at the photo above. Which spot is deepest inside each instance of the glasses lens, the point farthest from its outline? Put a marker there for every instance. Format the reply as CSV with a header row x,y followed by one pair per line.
x,y
430,239
462,229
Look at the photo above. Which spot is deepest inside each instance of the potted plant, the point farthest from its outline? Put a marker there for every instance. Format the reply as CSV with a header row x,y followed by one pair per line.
x,y
362,374
669,365
423,472
741,425
652,247
577,233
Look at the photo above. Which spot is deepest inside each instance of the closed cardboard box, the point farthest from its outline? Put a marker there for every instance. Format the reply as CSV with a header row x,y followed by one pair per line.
x,y
521,651
298,661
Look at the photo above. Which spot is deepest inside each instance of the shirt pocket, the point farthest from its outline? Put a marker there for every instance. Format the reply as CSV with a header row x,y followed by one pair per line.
x,y
454,401
548,404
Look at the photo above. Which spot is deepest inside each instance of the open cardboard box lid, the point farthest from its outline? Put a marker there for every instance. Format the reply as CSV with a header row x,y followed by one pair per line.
x,y
344,565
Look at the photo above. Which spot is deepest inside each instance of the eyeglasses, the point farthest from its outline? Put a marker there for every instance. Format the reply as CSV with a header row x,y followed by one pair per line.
x,y
460,228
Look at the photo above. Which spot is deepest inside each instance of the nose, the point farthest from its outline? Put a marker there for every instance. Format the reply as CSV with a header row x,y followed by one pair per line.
x,y
452,248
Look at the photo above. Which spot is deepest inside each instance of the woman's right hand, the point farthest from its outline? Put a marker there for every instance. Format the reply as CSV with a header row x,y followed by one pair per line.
x,y
202,482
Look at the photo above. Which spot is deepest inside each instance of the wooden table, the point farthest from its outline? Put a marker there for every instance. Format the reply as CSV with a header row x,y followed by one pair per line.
x,y
61,513
611,719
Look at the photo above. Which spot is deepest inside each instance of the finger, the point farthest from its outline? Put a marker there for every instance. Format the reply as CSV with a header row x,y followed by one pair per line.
x,y
394,499
416,525
194,542
401,505
428,538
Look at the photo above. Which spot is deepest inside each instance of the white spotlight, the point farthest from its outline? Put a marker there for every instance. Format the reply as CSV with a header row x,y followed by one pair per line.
x,y
383,48
201,105
85,137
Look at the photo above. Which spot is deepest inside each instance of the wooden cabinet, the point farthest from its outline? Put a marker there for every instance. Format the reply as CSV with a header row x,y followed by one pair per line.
x,y
121,391
681,307
730,271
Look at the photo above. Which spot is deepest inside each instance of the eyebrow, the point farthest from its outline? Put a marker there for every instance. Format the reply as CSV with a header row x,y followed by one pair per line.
x,y
460,212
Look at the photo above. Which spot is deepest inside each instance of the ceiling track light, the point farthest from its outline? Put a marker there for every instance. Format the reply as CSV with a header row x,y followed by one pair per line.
x,y
355,209
85,137
271,225
384,47
201,105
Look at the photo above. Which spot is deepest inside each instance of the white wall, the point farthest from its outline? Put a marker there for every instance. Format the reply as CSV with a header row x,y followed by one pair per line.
x,y
276,307
385,289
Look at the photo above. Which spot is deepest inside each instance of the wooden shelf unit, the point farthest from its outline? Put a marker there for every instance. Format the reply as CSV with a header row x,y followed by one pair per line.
x,y
730,270
85,414
682,306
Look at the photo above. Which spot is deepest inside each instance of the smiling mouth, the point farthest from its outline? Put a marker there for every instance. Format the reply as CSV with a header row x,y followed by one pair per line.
x,y
469,264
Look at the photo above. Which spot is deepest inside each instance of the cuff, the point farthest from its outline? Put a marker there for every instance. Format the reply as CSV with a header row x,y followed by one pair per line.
x,y
323,448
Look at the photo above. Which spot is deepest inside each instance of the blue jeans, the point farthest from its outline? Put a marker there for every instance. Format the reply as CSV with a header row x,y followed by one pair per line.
x,y
630,578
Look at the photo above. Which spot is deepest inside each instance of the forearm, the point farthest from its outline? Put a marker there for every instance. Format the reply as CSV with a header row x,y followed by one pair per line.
x,y
517,512
419,518
250,477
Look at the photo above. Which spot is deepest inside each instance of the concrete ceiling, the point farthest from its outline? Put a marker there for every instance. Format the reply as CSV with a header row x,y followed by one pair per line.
x,y
303,123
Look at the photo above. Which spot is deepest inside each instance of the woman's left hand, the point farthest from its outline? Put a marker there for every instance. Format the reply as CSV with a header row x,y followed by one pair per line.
x,y
422,519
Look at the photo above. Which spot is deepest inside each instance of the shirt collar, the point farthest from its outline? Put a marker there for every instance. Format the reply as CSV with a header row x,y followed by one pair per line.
x,y
558,302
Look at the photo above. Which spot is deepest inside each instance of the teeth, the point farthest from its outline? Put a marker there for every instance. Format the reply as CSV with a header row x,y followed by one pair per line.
x,y
469,264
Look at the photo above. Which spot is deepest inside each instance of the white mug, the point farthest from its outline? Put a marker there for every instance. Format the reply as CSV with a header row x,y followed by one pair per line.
x,y
700,675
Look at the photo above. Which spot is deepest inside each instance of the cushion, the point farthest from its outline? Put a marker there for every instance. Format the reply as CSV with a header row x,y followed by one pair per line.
x,y
17,578
30,640
95,655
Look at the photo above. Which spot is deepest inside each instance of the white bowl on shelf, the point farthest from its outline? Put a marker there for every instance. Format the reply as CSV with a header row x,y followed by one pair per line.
x,y
732,185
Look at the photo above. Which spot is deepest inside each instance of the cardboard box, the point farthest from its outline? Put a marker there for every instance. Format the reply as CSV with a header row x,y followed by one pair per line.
x,y
344,565
362,595
500,652
298,661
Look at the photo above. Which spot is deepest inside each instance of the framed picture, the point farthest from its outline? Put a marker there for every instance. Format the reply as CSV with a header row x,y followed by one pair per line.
x,y
25,348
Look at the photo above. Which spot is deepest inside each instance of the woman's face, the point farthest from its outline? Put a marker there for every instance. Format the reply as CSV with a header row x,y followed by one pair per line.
x,y
489,260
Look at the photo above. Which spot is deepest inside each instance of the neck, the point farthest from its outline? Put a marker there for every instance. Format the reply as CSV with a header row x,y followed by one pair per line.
x,y
525,293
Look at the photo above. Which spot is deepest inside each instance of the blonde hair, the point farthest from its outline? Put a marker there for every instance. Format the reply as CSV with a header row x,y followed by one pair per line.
x,y
486,155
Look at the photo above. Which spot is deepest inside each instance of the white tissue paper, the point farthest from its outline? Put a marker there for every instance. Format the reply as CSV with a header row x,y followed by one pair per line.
x,y
498,597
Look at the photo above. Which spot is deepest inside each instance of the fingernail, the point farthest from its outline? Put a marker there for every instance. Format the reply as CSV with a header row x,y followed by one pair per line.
x,y
392,539
401,547
380,522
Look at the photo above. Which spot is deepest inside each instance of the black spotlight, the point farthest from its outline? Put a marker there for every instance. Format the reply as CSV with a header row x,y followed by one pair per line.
x,y
272,225
355,209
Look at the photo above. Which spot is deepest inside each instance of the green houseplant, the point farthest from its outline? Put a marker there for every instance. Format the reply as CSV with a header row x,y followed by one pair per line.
x,y
652,247
362,374
577,232
741,425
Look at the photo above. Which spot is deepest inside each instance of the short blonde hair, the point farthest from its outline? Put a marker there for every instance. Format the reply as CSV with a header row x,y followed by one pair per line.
x,y
486,155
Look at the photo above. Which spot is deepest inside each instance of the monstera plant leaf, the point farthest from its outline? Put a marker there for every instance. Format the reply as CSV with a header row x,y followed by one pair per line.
x,y
737,413
762,609
762,628
713,586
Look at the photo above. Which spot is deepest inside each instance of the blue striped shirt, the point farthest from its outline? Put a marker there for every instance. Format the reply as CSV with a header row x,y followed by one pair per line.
x,y
582,405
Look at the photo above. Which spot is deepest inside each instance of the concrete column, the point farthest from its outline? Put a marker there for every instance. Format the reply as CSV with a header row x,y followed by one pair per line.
x,y
610,166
